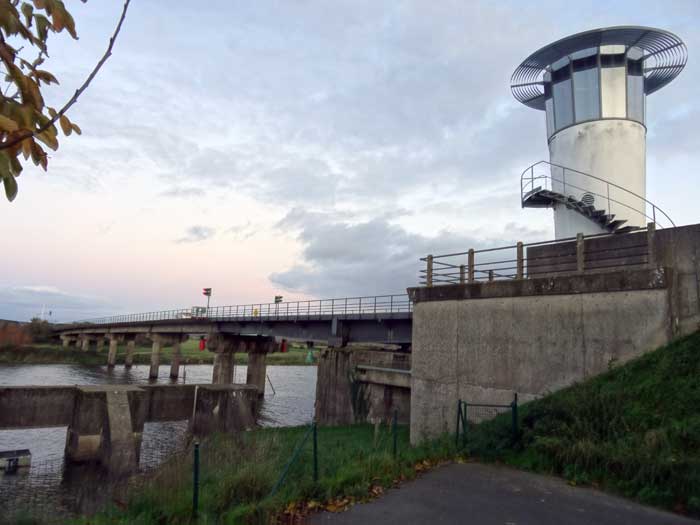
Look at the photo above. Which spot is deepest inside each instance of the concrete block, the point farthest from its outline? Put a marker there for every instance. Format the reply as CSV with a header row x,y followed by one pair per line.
x,y
223,408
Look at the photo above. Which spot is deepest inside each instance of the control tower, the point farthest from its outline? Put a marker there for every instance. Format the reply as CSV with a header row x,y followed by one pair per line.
x,y
592,87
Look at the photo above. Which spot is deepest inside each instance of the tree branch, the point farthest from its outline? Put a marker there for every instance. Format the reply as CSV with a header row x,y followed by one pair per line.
x,y
78,92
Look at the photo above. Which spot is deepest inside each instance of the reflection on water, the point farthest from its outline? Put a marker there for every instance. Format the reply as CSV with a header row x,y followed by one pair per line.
x,y
289,401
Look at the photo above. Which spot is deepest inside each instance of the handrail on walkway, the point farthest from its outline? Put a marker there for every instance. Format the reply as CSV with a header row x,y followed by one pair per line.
x,y
363,307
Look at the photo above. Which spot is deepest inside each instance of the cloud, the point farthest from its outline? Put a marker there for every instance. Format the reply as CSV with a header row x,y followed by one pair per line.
x,y
241,232
343,258
197,234
178,191
21,303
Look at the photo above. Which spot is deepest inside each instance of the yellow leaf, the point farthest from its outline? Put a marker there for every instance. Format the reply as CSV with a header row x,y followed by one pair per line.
x,y
65,125
76,128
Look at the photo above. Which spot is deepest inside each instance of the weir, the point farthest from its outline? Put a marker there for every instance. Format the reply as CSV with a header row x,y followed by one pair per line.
x,y
105,423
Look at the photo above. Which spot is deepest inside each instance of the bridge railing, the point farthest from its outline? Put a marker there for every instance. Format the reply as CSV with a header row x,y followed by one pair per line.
x,y
539,259
364,307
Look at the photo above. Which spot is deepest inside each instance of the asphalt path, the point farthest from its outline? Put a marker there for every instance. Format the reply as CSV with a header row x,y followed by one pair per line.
x,y
488,494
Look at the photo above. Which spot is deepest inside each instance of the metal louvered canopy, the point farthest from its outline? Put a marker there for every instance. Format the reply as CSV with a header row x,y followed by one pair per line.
x,y
665,55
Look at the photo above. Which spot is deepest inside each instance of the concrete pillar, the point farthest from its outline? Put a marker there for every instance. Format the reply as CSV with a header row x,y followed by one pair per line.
x,y
107,427
175,360
112,355
85,343
223,368
155,357
100,344
129,359
65,341
257,366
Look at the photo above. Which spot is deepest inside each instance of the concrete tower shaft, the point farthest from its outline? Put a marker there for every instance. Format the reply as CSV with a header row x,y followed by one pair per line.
x,y
592,87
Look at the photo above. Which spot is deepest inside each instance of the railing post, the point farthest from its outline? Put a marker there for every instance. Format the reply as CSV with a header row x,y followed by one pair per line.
x,y
462,274
195,481
651,253
470,264
514,416
429,270
520,263
315,444
394,431
580,253
490,275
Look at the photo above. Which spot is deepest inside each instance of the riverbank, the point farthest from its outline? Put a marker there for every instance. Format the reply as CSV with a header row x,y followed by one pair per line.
x,y
56,354
239,474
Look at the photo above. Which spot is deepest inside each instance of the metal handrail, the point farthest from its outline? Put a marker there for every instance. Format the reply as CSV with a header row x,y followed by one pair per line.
x,y
529,181
364,307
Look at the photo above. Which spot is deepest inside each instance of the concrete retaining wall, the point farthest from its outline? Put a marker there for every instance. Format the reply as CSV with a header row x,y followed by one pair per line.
x,y
482,342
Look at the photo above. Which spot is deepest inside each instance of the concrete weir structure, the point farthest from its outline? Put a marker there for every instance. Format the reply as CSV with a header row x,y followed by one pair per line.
x,y
586,306
105,423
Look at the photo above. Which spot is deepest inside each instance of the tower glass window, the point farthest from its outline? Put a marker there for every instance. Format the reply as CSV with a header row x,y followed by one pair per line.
x,y
562,94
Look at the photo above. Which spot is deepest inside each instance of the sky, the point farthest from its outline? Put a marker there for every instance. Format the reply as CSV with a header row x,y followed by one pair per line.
x,y
309,149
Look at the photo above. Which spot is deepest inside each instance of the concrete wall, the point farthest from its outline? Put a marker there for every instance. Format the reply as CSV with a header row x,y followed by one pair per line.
x,y
482,342
356,385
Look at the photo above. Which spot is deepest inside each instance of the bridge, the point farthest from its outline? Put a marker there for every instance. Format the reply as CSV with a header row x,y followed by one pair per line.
x,y
251,328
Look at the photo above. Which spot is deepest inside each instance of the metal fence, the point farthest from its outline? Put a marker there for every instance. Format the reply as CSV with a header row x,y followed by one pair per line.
x,y
369,307
475,413
547,258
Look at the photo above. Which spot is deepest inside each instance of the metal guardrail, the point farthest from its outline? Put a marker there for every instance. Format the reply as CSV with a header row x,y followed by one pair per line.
x,y
574,255
553,177
362,307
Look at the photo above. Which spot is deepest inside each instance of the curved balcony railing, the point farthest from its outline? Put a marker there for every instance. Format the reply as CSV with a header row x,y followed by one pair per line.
x,y
545,175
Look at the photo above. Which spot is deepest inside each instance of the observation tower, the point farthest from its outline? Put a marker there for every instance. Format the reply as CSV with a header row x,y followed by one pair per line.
x,y
592,87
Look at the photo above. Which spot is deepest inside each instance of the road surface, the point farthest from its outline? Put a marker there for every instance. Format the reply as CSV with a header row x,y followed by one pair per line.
x,y
473,493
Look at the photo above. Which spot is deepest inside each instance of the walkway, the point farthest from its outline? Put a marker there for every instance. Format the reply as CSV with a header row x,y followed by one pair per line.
x,y
484,494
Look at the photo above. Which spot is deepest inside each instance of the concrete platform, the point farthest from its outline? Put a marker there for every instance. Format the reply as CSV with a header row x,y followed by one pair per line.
x,y
488,494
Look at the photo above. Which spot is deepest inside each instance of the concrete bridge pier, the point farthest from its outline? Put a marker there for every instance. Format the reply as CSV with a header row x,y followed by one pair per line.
x,y
176,358
69,340
257,363
114,340
159,341
100,343
224,348
130,346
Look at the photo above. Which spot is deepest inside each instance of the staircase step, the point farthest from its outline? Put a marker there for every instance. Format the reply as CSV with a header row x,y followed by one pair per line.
x,y
627,229
614,225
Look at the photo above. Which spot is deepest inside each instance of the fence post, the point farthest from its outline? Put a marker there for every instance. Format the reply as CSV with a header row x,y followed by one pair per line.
x,y
315,442
490,275
462,274
459,418
580,253
470,262
394,431
464,424
195,481
520,263
429,271
651,257
514,415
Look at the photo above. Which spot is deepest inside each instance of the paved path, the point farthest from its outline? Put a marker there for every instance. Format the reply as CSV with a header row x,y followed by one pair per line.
x,y
484,494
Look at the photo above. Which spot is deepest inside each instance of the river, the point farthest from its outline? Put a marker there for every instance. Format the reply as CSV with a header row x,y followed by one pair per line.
x,y
289,400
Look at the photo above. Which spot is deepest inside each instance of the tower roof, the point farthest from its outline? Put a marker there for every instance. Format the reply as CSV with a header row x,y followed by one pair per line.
x,y
664,56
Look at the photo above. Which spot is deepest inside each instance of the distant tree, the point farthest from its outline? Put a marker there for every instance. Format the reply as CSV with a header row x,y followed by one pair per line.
x,y
40,330
25,121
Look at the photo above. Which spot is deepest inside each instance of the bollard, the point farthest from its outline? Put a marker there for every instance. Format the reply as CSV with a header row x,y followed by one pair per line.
x,y
315,446
394,431
195,481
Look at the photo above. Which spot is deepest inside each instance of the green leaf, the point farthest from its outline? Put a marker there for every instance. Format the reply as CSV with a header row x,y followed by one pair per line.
x,y
10,187
42,27
27,11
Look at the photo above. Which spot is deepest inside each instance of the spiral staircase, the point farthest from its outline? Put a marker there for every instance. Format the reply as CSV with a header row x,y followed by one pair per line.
x,y
544,185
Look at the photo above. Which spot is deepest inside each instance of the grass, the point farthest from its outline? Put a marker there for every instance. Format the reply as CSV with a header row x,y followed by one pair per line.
x,y
239,472
634,430
56,354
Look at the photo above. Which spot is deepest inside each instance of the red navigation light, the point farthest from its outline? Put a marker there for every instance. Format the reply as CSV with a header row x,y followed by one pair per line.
x,y
206,291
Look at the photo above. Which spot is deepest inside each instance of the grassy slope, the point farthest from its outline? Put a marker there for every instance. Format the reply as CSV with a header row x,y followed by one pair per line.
x,y
238,473
634,430
55,354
